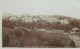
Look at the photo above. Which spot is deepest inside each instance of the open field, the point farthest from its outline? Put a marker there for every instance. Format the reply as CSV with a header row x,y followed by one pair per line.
x,y
21,37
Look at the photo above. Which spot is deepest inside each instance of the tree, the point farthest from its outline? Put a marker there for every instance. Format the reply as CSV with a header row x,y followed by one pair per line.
x,y
74,23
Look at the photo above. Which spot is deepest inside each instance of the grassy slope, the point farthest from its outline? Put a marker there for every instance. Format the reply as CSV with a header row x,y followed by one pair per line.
x,y
16,38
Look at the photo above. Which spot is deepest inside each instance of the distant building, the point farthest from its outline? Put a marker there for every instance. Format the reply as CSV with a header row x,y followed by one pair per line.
x,y
53,20
9,16
35,19
13,18
65,21
75,30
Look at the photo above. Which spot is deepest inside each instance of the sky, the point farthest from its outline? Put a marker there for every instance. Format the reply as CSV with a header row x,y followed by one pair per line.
x,y
69,8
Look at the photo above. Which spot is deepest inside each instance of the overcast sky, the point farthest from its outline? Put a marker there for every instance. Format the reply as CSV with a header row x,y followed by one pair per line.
x,y
69,8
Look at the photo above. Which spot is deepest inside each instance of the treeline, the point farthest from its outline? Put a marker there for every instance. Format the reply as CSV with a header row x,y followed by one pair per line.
x,y
43,24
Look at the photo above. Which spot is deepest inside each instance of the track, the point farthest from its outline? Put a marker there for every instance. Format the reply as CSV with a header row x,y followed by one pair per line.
x,y
76,39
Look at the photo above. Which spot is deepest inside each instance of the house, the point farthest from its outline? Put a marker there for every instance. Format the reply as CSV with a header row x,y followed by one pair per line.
x,y
13,18
74,30
64,21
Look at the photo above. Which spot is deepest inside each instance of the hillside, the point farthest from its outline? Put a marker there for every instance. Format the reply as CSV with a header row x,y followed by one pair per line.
x,y
38,31
33,38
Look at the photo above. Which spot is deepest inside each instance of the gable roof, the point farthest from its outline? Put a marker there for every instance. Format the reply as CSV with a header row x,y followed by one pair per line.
x,y
75,29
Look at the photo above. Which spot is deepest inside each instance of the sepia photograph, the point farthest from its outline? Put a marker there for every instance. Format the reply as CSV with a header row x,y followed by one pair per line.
x,y
40,23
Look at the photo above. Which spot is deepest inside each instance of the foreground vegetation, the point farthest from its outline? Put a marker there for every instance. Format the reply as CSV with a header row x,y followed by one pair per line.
x,y
25,38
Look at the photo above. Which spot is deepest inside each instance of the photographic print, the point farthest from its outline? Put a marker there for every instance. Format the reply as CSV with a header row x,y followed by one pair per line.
x,y
41,23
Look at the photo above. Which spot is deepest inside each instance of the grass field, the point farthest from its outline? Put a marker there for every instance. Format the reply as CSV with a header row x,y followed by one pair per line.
x,y
34,38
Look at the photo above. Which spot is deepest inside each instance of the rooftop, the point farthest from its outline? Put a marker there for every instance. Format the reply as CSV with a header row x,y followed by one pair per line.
x,y
75,29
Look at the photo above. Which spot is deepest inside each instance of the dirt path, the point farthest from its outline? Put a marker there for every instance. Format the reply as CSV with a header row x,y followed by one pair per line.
x,y
76,39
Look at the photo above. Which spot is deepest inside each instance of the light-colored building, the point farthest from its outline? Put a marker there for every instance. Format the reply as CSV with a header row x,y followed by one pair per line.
x,y
64,21
53,20
74,30
13,18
